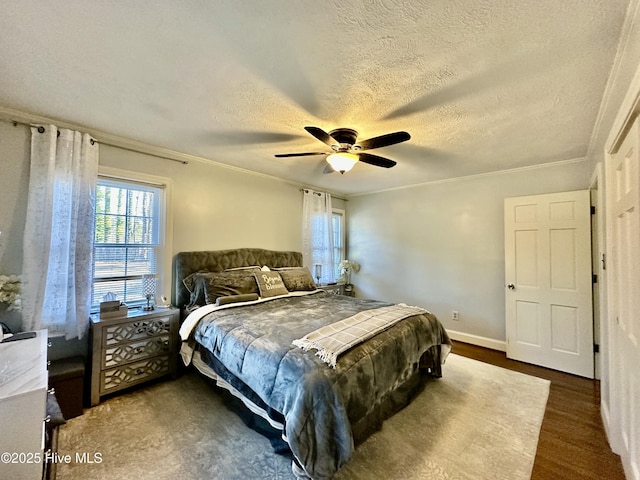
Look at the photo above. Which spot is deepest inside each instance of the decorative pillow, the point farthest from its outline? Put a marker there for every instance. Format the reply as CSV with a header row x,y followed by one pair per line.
x,y
296,279
236,299
196,289
206,287
270,284
239,282
189,282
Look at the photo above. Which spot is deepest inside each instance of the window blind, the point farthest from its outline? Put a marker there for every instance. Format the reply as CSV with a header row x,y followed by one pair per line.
x,y
126,243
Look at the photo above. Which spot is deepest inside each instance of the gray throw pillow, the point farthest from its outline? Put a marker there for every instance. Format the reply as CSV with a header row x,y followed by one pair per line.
x,y
297,279
206,287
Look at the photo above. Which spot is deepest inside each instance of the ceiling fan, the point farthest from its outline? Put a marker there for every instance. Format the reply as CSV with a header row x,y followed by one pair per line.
x,y
346,152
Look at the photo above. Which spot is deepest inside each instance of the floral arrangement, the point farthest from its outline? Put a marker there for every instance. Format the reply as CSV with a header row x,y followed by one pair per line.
x,y
10,291
346,266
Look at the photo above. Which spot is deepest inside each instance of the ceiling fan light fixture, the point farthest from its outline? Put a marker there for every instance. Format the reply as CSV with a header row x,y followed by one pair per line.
x,y
346,152
342,161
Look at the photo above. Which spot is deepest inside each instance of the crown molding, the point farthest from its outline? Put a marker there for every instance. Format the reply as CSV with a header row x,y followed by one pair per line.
x,y
630,102
477,175
26,118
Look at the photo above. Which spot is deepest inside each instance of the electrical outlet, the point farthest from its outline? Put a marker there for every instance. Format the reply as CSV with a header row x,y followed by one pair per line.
x,y
455,315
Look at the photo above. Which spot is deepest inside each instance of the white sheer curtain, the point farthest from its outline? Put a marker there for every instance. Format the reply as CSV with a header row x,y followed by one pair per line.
x,y
317,234
58,236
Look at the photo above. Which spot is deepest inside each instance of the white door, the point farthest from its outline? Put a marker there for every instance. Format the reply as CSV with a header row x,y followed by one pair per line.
x,y
549,318
623,242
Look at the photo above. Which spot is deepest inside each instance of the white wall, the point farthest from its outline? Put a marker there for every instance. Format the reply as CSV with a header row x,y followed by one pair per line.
x,y
441,245
14,183
216,208
213,207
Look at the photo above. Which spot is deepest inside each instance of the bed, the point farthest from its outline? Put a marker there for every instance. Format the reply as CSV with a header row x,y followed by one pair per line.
x,y
254,321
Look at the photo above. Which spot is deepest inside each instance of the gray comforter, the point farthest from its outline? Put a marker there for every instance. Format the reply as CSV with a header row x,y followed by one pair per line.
x,y
319,403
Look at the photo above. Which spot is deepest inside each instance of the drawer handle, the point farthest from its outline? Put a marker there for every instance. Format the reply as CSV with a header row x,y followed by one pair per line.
x,y
139,371
138,350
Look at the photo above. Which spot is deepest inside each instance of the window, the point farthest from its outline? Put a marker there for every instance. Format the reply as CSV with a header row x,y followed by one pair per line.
x,y
129,238
337,219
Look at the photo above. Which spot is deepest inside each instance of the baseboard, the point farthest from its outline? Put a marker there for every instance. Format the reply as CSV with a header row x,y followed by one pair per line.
x,y
491,343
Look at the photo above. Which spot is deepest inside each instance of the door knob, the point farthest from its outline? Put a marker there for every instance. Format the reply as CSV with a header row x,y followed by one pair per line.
x,y
511,286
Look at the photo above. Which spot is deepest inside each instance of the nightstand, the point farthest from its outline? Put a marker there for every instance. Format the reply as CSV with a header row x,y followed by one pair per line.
x,y
337,289
131,350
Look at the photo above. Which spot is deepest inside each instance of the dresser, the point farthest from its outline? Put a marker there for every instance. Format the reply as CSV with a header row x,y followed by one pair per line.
x,y
23,397
335,289
339,289
132,350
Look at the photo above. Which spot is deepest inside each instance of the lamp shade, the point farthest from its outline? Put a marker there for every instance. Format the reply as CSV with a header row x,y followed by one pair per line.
x,y
342,161
148,285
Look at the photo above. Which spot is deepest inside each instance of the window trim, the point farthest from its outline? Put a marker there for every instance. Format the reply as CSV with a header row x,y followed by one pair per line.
x,y
165,224
343,225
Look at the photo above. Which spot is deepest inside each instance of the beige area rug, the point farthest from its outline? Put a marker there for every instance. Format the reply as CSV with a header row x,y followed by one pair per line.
x,y
478,422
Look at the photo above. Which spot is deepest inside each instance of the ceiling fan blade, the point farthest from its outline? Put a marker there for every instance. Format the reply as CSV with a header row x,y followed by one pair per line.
x,y
376,160
321,135
304,154
384,140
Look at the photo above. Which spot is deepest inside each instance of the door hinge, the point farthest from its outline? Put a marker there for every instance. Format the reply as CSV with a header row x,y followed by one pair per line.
x,y
594,278
604,261
596,348
593,210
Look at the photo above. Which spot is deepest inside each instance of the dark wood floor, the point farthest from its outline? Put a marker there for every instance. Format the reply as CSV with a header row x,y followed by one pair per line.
x,y
572,444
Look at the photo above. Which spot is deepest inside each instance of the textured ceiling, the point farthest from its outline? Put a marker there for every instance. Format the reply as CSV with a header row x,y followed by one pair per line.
x,y
481,85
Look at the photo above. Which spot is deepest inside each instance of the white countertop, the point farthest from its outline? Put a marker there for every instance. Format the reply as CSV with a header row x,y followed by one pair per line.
x,y
22,366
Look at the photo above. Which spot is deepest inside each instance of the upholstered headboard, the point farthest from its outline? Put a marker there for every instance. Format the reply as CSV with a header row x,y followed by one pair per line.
x,y
186,263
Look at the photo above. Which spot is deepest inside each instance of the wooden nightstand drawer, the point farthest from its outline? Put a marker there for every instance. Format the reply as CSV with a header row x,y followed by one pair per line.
x,y
134,373
136,330
129,352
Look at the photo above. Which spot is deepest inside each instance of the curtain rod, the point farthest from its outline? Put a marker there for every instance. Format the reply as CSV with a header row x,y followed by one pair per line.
x,y
318,193
102,142
184,162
